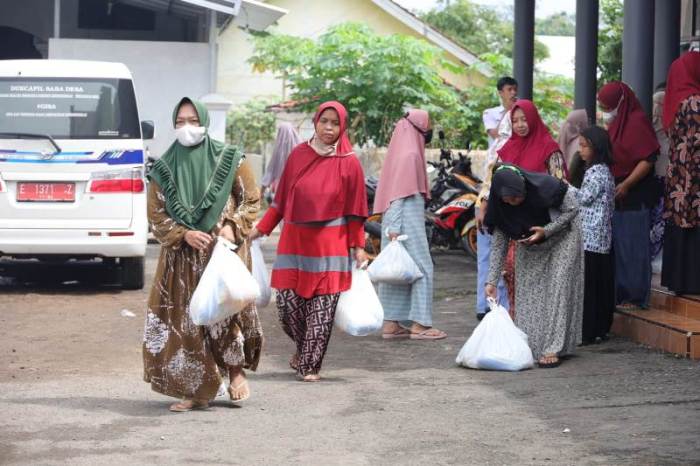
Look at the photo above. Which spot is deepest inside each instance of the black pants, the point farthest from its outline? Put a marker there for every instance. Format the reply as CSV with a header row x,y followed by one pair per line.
x,y
599,296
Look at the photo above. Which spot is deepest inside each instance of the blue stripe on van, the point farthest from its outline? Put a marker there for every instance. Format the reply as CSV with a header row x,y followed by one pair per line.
x,y
117,157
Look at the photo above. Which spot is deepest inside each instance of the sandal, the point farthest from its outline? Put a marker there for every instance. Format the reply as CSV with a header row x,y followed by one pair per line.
x,y
189,405
235,393
428,334
400,332
555,361
309,378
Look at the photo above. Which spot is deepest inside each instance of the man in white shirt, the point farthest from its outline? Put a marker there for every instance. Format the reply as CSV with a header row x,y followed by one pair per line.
x,y
498,127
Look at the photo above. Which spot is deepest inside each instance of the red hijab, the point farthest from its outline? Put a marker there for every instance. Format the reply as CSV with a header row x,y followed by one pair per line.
x,y
318,188
532,151
682,82
631,135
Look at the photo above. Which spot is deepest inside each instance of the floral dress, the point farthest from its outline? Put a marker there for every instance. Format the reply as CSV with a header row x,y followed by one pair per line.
x,y
182,359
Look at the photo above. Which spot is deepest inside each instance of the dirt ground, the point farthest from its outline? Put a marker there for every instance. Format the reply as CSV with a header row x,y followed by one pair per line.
x,y
71,392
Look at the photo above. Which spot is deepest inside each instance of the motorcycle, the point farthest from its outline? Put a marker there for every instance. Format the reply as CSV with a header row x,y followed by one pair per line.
x,y
450,216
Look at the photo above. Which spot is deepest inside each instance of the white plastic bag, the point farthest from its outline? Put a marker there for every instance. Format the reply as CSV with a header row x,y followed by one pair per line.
x,y
226,286
359,310
394,265
496,344
260,274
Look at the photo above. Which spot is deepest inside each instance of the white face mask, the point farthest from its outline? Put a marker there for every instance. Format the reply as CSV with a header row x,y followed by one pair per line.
x,y
608,117
189,135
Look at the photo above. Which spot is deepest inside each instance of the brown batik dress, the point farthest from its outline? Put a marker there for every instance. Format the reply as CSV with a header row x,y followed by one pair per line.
x,y
182,359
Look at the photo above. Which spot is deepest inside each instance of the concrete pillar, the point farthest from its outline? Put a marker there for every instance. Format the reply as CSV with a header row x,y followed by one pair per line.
x,y
213,51
524,46
637,49
218,108
586,56
56,19
667,37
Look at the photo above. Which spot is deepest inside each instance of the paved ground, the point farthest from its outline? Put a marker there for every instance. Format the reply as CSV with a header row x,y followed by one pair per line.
x,y
71,393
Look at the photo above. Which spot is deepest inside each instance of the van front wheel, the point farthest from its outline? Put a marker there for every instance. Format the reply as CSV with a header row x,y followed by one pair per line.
x,y
132,272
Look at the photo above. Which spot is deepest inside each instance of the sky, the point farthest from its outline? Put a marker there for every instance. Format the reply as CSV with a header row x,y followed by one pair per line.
x,y
543,8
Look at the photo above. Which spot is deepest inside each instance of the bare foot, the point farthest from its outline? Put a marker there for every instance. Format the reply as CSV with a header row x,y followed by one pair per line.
x,y
238,390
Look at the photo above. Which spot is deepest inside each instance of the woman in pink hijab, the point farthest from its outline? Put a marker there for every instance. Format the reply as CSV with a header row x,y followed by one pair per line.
x,y
401,194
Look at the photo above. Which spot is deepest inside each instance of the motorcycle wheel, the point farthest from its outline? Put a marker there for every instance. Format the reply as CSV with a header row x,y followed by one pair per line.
x,y
469,241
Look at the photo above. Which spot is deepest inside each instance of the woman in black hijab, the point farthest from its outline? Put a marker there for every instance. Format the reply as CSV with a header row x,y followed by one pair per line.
x,y
540,212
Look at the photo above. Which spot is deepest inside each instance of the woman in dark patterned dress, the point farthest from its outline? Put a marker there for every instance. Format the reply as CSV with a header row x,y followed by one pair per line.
x,y
681,117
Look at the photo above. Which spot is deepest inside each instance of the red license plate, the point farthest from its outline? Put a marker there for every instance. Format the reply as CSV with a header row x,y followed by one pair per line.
x,y
46,192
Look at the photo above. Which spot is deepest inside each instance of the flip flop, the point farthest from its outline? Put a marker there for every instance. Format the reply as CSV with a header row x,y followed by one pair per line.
x,y
181,407
231,390
549,365
398,333
424,334
303,378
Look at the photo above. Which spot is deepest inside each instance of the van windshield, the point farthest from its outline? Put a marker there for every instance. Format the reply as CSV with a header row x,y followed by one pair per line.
x,y
68,108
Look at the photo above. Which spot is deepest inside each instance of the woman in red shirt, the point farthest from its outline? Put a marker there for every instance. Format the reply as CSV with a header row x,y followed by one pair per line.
x,y
321,197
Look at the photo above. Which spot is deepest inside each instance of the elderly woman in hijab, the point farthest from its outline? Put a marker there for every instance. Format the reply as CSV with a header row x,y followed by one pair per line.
x,y
287,139
321,197
635,150
540,212
681,118
532,148
199,188
576,122
401,194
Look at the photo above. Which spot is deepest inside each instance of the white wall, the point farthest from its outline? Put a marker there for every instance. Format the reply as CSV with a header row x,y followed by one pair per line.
x,y
163,73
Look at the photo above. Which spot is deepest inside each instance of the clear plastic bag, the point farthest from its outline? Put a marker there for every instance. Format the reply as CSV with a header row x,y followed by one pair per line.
x,y
260,274
496,344
226,286
359,310
394,265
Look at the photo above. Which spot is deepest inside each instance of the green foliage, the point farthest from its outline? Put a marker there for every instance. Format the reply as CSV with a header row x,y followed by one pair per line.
x,y
480,29
374,76
610,41
250,126
558,24
377,77
553,96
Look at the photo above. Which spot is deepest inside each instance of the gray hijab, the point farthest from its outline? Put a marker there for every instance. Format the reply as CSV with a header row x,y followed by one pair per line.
x,y
287,139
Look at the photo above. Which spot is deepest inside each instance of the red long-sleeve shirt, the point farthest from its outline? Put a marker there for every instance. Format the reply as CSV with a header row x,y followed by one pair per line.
x,y
314,258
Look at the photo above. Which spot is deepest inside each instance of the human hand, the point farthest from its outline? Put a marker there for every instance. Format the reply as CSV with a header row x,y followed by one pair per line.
x,y
393,236
621,191
254,234
227,233
536,237
481,215
361,257
490,291
198,239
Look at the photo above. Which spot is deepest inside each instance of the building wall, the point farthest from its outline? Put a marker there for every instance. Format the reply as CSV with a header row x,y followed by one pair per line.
x,y
160,78
37,17
306,18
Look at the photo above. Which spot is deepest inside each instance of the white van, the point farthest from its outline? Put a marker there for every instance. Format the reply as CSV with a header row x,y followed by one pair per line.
x,y
72,165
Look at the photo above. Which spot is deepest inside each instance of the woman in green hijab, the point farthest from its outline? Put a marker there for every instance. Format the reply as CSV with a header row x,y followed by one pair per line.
x,y
198,189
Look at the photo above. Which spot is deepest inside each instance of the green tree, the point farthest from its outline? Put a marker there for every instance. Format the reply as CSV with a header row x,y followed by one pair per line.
x,y
610,41
375,76
250,126
553,96
480,29
558,24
